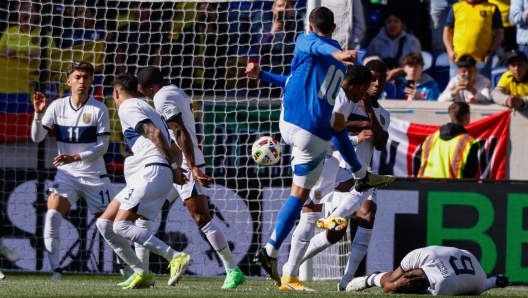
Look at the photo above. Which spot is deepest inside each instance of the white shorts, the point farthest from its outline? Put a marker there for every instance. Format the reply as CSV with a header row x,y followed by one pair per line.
x,y
96,192
308,154
146,191
344,175
191,188
331,176
174,194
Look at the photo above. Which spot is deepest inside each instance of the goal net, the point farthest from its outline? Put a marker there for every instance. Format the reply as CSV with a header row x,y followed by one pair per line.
x,y
201,47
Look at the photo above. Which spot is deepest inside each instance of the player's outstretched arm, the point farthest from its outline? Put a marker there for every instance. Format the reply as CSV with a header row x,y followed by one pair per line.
x,y
343,144
185,142
154,134
38,131
254,71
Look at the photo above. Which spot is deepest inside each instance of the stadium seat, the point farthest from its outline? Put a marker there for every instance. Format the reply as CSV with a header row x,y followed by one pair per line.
x,y
428,61
441,71
495,60
496,74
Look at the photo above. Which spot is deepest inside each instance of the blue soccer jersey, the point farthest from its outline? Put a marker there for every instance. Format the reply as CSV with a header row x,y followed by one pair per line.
x,y
313,85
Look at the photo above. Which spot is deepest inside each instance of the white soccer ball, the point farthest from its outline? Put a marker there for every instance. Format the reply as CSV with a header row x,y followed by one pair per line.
x,y
266,151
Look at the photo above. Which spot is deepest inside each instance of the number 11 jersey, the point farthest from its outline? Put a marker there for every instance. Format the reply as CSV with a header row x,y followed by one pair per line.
x,y
76,130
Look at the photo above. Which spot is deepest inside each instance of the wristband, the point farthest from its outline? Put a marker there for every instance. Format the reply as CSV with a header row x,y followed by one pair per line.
x,y
174,166
38,116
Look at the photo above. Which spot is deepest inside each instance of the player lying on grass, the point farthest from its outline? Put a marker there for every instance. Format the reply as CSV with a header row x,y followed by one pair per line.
x,y
82,130
176,108
435,270
149,176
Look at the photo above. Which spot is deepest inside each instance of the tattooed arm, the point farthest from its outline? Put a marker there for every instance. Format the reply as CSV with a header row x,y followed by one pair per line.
x,y
151,132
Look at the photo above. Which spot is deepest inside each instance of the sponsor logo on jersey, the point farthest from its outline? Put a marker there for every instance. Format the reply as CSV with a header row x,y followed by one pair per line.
x,y
87,118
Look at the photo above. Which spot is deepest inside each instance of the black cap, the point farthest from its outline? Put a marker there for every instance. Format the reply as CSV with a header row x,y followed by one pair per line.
x,y
516,56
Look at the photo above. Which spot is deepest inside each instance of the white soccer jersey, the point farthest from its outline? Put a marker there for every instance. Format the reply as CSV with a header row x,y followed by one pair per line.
x,y
132,113
170,101
449,270
76,131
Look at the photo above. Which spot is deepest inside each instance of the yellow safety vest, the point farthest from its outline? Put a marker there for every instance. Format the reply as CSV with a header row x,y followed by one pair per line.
x,y
445,159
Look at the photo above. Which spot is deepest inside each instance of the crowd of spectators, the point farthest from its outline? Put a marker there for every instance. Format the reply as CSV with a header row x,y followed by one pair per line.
x,y
203,47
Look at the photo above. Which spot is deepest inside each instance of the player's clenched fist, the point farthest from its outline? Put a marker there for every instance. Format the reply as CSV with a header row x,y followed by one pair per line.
x,y
347,57
253,70
39,102
179,176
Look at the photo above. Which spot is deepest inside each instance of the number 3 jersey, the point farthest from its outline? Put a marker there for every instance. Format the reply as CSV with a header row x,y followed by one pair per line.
x,y
449,270
76,131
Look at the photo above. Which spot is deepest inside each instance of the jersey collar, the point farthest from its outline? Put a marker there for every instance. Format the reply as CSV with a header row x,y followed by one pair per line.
x,y
73,108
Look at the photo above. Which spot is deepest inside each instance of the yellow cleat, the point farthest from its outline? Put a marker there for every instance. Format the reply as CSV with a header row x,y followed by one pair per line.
x,y
293,283
178,266
141,281
332,223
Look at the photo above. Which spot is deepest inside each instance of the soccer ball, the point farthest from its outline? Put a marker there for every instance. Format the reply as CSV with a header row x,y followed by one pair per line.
x,y
266,151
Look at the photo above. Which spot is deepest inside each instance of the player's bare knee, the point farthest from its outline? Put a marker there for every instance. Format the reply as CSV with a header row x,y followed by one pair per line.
x,y
56,202
201,218
312,207
334,236
366,220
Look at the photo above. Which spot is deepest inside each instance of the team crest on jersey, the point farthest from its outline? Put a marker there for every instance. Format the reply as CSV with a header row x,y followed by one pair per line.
x,y
483,13
318,195
87,118
382,120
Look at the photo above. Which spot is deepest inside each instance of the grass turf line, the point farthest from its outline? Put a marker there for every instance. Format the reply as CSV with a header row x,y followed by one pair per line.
x,y
37,285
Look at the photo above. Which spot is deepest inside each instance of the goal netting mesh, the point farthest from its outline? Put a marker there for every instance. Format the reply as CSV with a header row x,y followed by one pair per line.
x,y
201,47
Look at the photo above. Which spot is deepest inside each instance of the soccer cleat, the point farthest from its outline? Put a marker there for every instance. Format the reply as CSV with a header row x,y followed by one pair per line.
x,y
358,284
8,253
373,180
125,270
269,265
502,281
130,279
141,281
2,276
341,285
55,275
234,278
178,266
332,223
293,283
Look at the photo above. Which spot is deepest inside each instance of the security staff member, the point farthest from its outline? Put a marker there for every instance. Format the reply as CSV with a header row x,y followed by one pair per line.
x,y
451,152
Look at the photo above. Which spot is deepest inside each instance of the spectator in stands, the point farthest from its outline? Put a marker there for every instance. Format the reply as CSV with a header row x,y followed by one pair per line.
x,y
473,27
392,42
512,89
509,43
468,85
205,47
139,41
276,47
24,39
416,85
246,19
438,12
84,28
519,17
451,152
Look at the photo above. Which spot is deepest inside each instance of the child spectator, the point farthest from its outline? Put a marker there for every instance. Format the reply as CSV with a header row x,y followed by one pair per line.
x,y
416,85
512,89
468,85
392,42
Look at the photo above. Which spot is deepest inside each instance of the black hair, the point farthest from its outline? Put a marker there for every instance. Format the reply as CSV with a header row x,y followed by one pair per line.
x,y
358,75
457,111
389,13
322,19
127,83
466,61
377,65
150,76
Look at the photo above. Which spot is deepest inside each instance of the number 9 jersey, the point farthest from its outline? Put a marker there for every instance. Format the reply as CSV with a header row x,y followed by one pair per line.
x,y
76,131
450,271
313,85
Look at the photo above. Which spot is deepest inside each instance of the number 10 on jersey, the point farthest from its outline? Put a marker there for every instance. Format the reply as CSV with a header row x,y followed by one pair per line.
x,y
331,84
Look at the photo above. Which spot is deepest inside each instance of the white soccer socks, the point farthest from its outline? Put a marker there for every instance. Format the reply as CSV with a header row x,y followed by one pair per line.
x,y
52,237
359,250
318,243
375,280
349,202
121,246
218,241
132,232
300,241
141,252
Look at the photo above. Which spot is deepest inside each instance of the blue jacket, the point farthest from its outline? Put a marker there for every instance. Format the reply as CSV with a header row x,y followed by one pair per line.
x,y
518,18
426,85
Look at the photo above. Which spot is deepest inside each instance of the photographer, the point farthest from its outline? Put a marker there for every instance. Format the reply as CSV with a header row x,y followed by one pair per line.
x,y
468,85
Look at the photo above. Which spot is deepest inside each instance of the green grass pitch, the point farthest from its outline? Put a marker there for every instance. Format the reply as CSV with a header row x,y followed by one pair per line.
x,y
37,285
